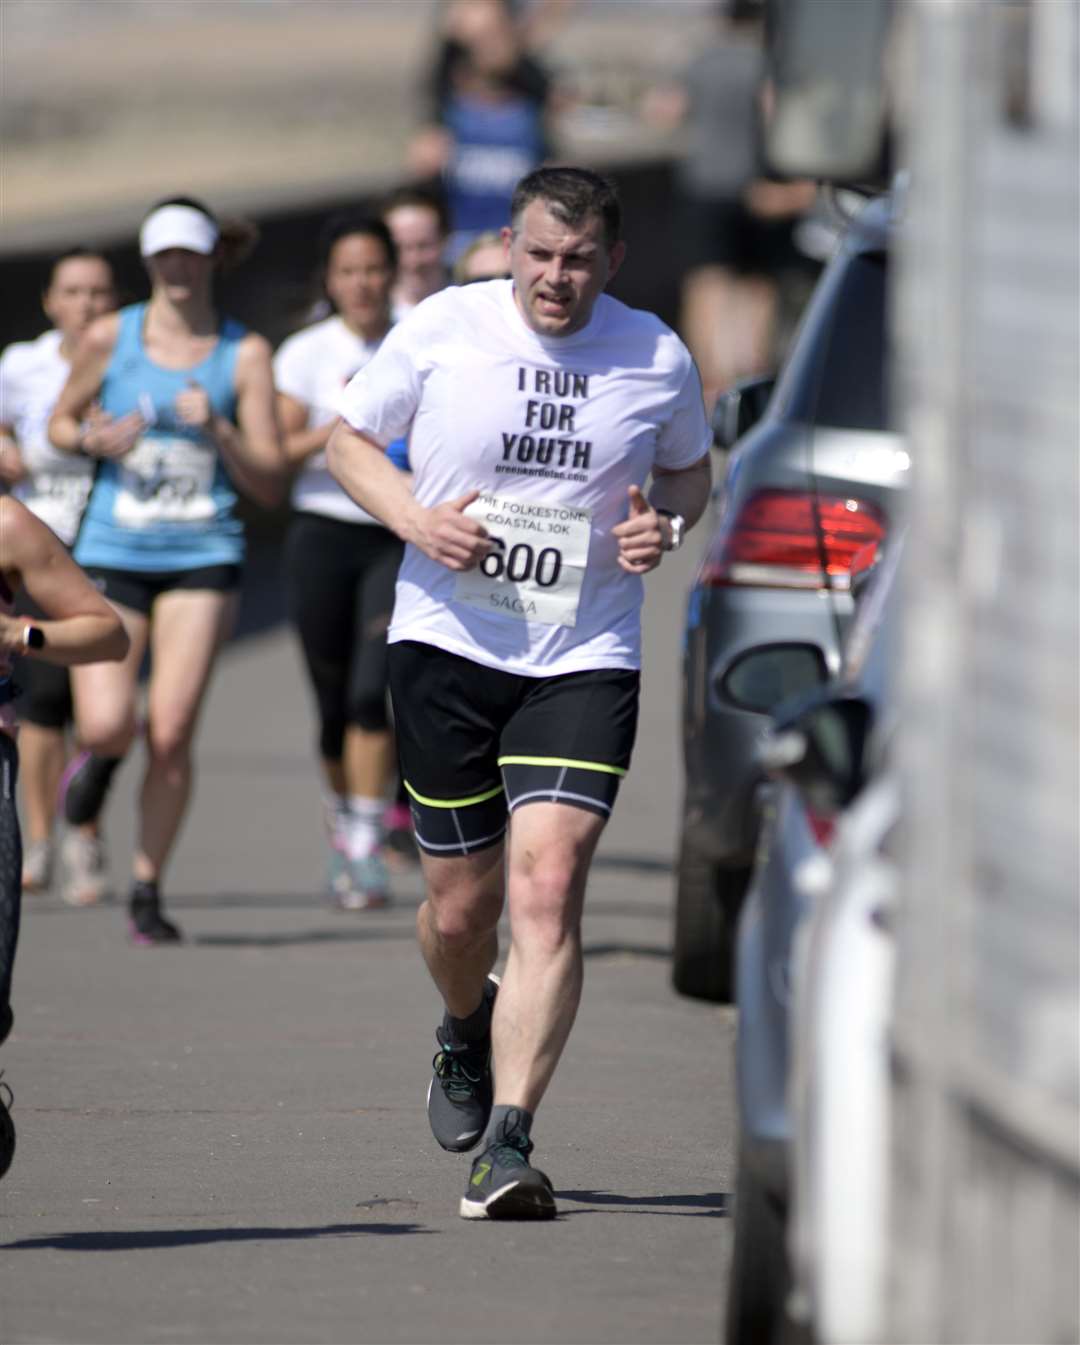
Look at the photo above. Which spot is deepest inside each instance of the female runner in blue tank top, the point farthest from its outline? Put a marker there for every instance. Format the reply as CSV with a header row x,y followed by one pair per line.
x,y
186,416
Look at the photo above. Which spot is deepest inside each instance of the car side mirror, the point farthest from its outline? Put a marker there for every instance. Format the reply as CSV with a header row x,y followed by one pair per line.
x,y
767,675
819,744
739,409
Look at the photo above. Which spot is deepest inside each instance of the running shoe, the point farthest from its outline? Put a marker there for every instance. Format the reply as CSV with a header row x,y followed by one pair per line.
x,y
83,787
502,1184
37,866
7,1126
86,875
367,886
148,925
461,1088
336,879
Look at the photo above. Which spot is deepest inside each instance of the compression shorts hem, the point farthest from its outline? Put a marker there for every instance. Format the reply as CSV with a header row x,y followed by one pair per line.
x,y
563,761
453,803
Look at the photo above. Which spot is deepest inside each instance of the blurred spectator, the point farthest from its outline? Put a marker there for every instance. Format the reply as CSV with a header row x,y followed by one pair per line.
x,y
419,225
483,259
488,106
734,227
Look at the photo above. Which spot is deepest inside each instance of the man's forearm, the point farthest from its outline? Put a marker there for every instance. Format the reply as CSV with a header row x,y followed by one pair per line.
x,y
365,473
685,492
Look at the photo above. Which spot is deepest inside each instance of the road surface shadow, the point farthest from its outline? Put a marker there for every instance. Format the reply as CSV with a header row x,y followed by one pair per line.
x,y
153,1239
635,863
596,950
287,938
710,1205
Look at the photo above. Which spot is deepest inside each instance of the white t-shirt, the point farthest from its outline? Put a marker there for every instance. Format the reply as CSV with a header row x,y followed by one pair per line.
x,y
314,366
553,431
57,487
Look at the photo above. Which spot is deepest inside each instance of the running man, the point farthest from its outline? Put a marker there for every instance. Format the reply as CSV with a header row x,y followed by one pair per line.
x,y
537,408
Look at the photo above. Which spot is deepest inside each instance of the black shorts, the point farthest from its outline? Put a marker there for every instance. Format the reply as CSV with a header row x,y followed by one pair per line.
x,y
722,232
475,742
138,589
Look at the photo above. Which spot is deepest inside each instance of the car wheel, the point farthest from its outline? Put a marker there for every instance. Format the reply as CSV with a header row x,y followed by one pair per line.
x,y
759,1280
707,903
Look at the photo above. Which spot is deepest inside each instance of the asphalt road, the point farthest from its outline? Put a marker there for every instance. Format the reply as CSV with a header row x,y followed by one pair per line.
x,y
226,1141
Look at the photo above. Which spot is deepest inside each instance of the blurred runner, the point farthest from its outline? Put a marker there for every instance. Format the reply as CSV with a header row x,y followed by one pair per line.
x,y
734,226
341,564
188,418
488,108
78,626
418,224
55,486
536,407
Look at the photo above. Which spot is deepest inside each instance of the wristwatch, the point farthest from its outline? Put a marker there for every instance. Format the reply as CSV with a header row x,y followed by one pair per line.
x,y
678,528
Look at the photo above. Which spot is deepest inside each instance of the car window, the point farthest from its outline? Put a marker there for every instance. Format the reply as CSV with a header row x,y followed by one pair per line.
x,y
846,383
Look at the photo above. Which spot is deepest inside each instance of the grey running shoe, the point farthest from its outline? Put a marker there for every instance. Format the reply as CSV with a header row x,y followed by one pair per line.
x,y
461,1089
367,885
336,880
502,1184
37,866
86,876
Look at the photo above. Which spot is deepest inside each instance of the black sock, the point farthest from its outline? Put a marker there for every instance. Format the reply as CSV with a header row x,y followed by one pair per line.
x,y
469,1031
144,890
507,1122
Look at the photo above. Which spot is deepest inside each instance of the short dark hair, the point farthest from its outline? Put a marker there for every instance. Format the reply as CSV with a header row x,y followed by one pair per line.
x,y
572,195
345,225
78,254
417,198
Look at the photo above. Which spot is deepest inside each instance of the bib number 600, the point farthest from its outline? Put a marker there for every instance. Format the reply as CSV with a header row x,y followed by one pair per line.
x,y
522,563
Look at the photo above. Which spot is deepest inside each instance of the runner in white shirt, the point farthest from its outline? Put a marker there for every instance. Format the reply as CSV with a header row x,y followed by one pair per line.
x,y
55,486
537,409
341,563
419,226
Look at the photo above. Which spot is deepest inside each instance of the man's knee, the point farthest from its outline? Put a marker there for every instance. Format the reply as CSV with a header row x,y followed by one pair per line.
x,y
545,899
462,907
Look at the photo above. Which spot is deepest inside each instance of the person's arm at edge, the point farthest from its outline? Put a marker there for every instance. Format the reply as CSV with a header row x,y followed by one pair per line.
x,y
80,626
299,439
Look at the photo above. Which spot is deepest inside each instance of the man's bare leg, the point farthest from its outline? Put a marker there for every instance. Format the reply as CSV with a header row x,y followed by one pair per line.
x,y
457,924
551,848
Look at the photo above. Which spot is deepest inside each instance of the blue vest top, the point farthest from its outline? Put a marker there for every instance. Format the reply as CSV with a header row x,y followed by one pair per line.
x,y
495,144
168,504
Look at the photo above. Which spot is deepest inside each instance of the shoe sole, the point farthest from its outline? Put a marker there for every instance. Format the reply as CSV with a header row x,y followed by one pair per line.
x,y
147,941
464,1143
512,1201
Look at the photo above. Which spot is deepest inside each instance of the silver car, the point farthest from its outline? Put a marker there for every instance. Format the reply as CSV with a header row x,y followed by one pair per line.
x,y
810,492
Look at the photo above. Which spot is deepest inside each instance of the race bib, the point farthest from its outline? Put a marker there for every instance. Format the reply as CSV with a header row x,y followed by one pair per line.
x,y
536,567
59,499
165,481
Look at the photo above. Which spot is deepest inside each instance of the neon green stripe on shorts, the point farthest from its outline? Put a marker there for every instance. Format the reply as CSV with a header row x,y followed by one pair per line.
x,y
563,761
453,803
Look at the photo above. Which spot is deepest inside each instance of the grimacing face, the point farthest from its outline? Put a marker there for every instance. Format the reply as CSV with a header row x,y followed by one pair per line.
x,y
81,289
559,270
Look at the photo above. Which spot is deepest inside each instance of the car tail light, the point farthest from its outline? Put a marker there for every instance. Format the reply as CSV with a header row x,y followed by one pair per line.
x,y
794,539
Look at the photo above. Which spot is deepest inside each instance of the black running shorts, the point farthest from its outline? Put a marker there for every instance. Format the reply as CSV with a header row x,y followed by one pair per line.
x,y
475,742
138,589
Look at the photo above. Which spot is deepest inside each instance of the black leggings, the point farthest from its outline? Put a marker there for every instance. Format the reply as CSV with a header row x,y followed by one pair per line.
x,y
10,869
340,581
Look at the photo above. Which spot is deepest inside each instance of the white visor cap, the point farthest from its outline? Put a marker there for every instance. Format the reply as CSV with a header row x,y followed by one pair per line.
x,y
178,226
